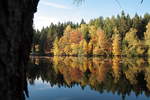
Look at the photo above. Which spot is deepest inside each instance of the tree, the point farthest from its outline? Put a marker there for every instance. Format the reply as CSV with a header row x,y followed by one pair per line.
x,y
138,25
92,32
123,25
90,48
56,47
68,50
16,34
82,22
147,37
67,31
51,35
98,22
75,36
75,49
131,37
109,24
102,40
132,43
85,32
116,45
116,68
36,41
43,39
85,47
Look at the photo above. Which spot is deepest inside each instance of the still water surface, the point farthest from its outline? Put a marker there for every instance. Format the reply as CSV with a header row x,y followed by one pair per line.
x,y
72,78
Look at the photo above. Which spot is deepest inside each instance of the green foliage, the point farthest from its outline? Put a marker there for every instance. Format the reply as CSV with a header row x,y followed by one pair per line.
x,y
147,38
116,35
85,32
131,37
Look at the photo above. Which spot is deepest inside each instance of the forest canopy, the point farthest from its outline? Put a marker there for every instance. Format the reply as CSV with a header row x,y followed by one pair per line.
x,y
119,35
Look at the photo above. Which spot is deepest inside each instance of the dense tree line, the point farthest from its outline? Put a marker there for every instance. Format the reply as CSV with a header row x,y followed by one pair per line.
x,y
43,39
119,35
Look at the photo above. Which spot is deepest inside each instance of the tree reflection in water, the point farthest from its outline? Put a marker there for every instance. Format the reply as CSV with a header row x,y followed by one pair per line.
x,y
116,75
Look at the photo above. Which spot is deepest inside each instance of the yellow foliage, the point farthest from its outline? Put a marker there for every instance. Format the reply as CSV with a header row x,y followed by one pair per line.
x,y
116,68
75,49
116,45
67,50
147,37
131,37
92,31
147,34
56,47
85,47
147,77
90,48
97,51
68,30
102,41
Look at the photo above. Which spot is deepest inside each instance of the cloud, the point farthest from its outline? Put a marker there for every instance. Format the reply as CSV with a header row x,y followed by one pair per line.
x,y
43,21
55,5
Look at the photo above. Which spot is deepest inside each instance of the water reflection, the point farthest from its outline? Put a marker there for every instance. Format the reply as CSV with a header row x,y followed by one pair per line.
x,y
117,76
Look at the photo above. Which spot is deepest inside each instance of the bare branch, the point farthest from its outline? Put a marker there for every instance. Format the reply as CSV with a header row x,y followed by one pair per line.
x,y
141,1
78,1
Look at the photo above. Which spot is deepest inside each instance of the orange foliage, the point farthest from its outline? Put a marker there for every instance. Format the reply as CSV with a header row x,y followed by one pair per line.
x,y
75,37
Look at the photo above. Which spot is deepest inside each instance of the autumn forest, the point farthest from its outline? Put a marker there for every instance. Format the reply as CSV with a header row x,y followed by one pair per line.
x,y
120,35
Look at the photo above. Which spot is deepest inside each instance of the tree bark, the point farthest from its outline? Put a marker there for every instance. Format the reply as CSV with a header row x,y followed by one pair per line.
x,y
16,19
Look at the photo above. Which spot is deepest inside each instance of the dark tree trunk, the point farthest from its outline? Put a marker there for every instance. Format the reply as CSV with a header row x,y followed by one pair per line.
x,y
16,19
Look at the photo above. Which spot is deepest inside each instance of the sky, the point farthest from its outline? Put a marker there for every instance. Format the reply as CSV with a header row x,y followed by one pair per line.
x,y
54,11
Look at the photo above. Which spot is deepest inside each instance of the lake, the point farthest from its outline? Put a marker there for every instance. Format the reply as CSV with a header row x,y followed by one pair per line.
x,y
81,78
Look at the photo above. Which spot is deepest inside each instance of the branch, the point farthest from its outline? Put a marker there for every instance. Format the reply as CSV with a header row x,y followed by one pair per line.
x,y
78,1
141,1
